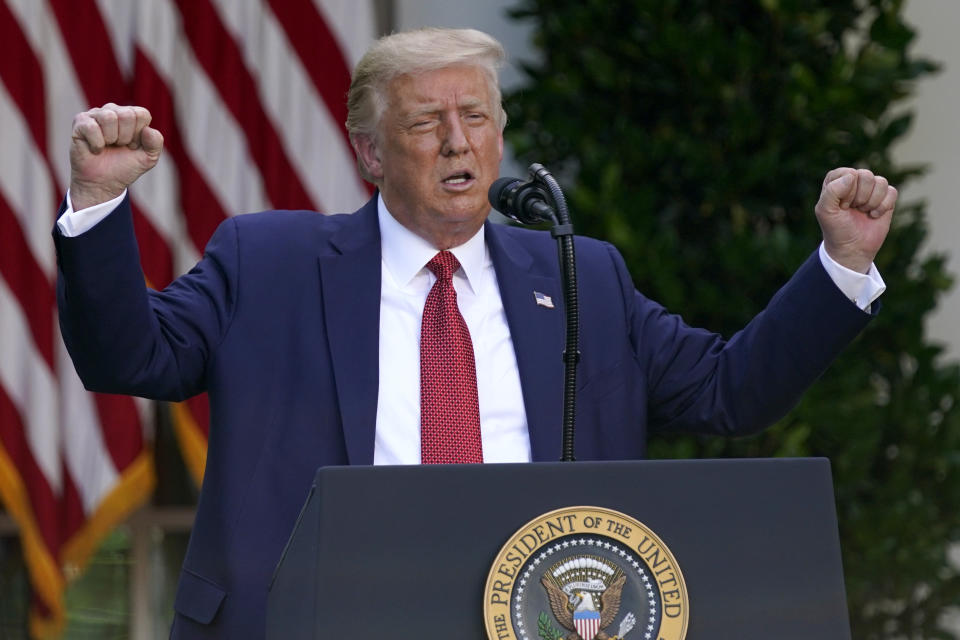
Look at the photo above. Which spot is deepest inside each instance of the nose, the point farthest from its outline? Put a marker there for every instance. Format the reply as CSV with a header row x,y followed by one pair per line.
x,y
454,137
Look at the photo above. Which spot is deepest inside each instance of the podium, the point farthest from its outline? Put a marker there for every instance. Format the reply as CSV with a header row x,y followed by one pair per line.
x,y
405,552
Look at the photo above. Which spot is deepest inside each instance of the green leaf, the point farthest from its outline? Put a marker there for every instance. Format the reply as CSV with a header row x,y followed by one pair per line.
x,y
545,628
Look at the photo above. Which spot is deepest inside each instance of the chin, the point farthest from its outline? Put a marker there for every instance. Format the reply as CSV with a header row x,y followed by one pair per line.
x,y
463,209
466,215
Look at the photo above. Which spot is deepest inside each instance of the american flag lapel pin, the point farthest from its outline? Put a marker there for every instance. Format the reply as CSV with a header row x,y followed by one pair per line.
x,y
543,300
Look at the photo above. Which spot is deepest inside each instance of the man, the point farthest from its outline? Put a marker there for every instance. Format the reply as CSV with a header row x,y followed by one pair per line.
x,y
327,339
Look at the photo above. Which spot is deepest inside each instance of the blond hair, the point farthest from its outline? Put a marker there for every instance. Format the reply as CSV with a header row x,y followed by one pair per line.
x,y
411,52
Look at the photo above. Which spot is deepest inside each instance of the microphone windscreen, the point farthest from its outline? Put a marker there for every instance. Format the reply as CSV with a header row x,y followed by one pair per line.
x,y
498,190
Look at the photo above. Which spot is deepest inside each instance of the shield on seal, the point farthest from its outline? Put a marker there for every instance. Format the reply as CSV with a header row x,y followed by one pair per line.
x,y
587,623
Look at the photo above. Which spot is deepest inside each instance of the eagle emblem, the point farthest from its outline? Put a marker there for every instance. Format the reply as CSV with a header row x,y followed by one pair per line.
x,y
585,573
584,594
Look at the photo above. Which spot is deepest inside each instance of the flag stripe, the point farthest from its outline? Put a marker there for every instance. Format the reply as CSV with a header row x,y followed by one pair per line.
x,y
124,447
102,81
90,50
71,512
118,412
64,97
157,196
136,481
352,24
88,458
291,99
159,229
250,96
39,493
155,255
210,135
29,383
318,51
22,74
202,210
50,490
29,500
220,57
120,12
25,183
27,282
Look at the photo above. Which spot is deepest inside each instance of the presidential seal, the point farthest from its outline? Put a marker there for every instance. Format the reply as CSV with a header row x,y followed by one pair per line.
x,y
585,573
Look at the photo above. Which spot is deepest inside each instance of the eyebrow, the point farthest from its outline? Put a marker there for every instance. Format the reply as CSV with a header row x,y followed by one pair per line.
x,y
434,107
472,103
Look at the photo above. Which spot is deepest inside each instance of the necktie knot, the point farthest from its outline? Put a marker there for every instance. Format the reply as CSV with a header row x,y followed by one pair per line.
x,y
443,265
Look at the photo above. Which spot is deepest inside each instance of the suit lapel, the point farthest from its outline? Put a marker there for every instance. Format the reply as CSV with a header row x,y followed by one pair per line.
x,y
350,277
350,273
537,333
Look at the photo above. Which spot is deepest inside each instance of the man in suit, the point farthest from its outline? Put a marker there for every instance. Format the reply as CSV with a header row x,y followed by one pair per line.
x,y
326,339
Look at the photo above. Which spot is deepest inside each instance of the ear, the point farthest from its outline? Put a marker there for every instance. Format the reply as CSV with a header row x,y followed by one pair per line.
x,y
366,150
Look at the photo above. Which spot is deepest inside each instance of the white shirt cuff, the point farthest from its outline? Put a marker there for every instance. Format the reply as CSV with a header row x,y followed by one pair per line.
x,y
861,288
73,223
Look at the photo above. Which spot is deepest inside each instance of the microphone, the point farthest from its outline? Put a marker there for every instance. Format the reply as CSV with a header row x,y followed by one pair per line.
x,y
524,202
541,200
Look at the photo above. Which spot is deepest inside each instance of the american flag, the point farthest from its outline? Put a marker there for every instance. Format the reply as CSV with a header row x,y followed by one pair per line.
x,y
250,97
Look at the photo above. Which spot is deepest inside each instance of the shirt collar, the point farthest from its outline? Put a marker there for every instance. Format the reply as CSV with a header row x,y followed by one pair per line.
x,y
405,253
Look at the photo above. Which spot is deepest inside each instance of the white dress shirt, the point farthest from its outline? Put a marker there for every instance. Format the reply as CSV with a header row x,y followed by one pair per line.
x,y
404,287
405,283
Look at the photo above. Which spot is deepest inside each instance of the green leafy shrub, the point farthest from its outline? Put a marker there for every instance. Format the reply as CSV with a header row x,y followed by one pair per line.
x,y
695,136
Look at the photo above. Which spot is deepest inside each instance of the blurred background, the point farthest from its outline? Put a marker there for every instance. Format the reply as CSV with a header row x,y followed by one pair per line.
x,y
692,134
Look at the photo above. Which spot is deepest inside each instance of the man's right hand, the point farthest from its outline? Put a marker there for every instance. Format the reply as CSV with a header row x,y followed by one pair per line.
x,y
111,147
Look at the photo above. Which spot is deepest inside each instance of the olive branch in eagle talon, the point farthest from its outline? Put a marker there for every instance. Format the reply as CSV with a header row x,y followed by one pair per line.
x,y
564,607
546,630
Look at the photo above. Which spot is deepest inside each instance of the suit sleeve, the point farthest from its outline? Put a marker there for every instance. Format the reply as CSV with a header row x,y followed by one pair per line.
x,y
698,382
126,338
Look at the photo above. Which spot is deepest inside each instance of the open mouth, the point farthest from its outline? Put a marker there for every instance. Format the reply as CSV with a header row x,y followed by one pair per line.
x,y
458,178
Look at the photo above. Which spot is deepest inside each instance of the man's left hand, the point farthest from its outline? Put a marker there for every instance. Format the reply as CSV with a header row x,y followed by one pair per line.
x,y
854,212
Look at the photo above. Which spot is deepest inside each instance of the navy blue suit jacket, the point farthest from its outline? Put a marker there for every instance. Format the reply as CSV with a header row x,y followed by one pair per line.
x,y
279,323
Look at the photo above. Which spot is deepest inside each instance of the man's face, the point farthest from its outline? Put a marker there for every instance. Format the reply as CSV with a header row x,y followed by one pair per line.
x,y
438,152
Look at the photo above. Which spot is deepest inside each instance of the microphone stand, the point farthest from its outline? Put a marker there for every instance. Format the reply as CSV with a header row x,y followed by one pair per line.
x,y
563,232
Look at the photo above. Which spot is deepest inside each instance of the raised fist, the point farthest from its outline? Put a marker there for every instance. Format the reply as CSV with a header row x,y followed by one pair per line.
x,y
111,147
854,212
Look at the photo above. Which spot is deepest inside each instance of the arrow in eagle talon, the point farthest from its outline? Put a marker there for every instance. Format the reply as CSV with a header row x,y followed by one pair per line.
x,y
626,625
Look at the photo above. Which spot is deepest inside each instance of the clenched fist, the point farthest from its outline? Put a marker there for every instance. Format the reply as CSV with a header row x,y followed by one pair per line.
x,y
854,212
111,147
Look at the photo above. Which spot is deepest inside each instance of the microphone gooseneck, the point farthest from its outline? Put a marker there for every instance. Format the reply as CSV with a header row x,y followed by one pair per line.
x,y
537,200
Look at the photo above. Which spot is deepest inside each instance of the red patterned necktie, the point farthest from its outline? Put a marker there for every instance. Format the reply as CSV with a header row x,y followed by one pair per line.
x,y
449,411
